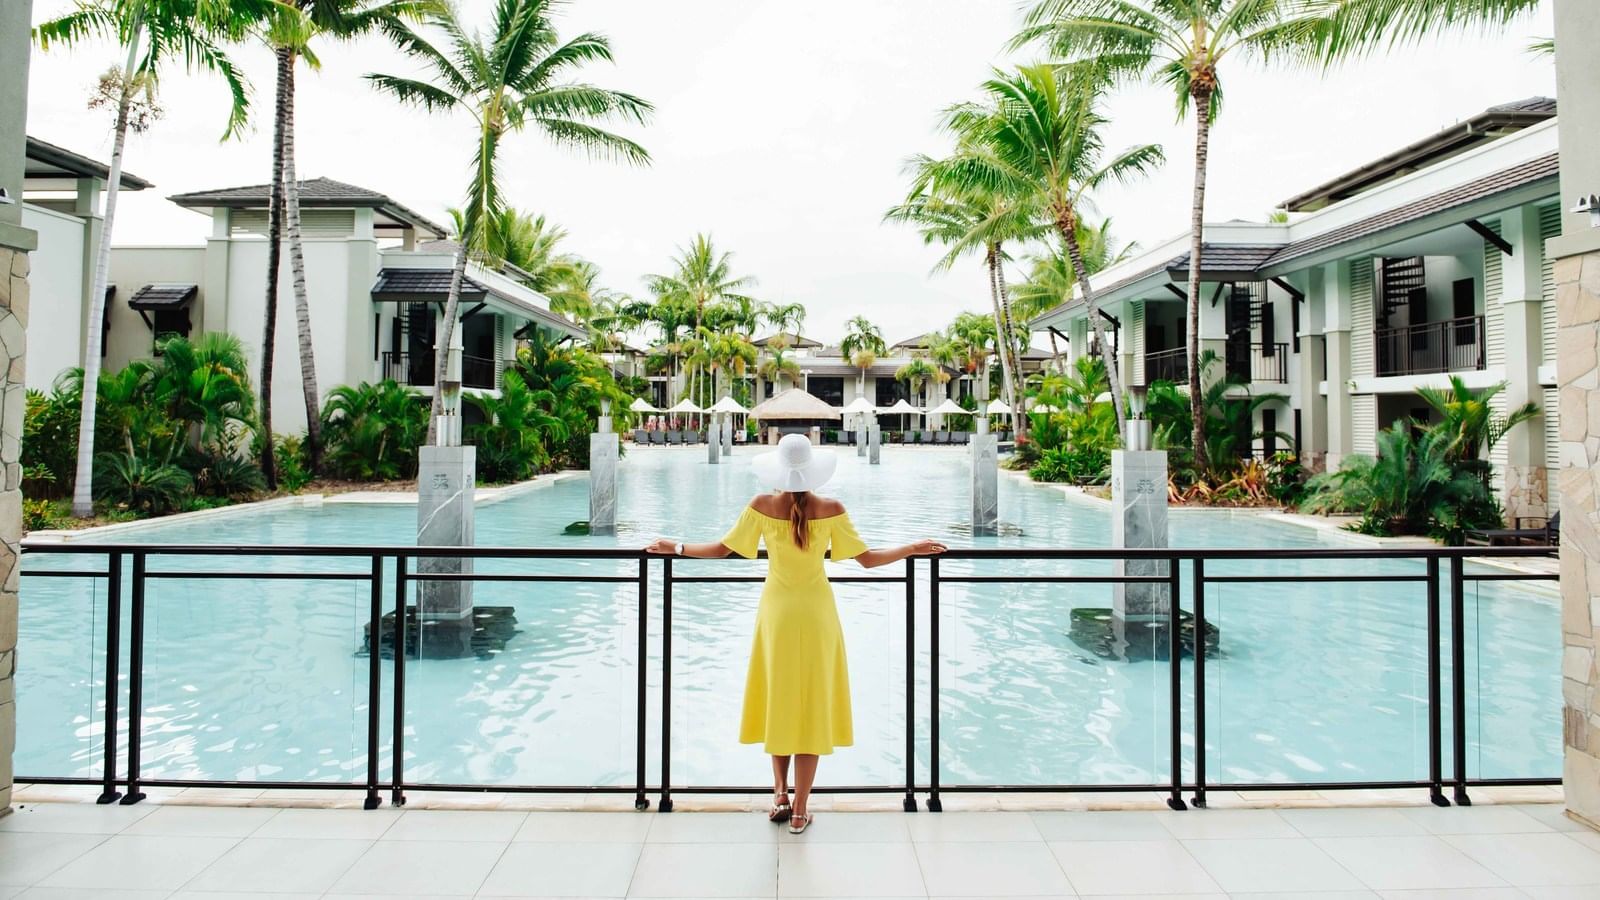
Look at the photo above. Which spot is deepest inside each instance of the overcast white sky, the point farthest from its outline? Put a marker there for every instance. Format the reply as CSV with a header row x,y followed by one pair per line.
x,y
780,129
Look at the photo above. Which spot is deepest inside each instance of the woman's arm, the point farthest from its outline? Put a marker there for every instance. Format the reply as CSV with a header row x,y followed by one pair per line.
x,y
872,559
707,550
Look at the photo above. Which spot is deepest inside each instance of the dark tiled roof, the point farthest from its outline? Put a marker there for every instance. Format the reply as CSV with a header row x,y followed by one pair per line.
x,y
45,160
1547,166
1227,258
794,340
322,193
399,284
162,296
1543,105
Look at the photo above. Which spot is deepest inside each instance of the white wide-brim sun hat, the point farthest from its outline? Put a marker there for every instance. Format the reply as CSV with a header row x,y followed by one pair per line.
x,y
795,465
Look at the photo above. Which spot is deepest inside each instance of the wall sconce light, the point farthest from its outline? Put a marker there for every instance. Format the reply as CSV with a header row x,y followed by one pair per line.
x,y
1591,205
1138,397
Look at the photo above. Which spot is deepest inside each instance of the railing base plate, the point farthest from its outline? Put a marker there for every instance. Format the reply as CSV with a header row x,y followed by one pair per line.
x,y
1176,803
664,806
108,797
1462,799
1437,799
133,798
371,803
909,804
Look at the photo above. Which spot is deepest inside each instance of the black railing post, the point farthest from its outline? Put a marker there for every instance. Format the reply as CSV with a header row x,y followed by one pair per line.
x,y
1458,677
135,682
397,729
665,803
1435,752
374,680
639,700
911,685
934,805
1199,680
1175,683
109,792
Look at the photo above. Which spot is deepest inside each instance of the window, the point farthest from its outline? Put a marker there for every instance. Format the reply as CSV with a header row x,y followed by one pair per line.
x,y
890,391
171,323
1269,330
1269,432
827,388
1464,301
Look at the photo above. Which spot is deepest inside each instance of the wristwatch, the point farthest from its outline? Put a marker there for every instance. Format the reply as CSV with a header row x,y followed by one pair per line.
x,y
678,548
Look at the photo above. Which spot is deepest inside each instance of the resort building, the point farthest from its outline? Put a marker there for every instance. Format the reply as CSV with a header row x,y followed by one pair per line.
x,y
1425,264
62,199
377,277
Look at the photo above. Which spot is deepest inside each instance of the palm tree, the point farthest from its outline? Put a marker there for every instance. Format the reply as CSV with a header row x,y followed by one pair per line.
x,y
862,345
1051,278
1180,43
1355,26
971,216
289,34
1040,132
154,33
917,373
513,78
1476,428
702,278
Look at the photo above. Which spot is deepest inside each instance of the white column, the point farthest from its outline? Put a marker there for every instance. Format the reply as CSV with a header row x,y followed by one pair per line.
x,y
1522,291
1336,335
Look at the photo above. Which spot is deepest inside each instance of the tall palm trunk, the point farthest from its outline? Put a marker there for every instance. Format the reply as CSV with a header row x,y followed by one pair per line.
x,y
83,480
1021,423
297,265
992,258
269,333
1197,215
1069,238
441,345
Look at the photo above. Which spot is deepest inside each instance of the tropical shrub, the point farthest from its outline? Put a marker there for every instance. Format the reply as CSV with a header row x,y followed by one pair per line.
x,y
371,431
294,471
1286,478
1230,425
568,383
136,484
1077,465
49,440
509,442
225,475
1410,487
39,514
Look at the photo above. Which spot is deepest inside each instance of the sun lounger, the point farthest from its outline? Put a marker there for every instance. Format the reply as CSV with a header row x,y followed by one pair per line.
x,y
674,437
941,437
640,436
960,437
658,437
1534,530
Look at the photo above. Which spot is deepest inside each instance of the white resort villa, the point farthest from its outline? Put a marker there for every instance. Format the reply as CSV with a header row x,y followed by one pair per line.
x,y
1425,264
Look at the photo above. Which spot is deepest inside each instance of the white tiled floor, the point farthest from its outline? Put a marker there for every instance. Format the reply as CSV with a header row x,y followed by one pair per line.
x,y
1488,852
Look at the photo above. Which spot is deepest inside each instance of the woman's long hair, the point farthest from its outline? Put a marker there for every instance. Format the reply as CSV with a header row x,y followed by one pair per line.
x,y
799,516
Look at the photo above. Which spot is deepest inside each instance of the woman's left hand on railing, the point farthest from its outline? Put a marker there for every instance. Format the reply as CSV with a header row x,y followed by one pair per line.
x,y
662,547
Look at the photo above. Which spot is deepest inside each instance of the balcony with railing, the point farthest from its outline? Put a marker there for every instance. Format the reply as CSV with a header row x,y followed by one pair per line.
x,y
416,370
1452,345
1258,363
1167,365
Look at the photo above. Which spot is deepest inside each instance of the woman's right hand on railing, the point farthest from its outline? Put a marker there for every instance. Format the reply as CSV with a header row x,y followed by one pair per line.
x,y
927,548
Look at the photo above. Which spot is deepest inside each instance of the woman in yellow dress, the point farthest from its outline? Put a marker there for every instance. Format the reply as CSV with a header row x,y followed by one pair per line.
x,y
797,693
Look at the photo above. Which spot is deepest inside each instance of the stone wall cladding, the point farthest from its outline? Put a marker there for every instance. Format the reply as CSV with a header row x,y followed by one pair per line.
x,y
1525,493
1578,336
13,323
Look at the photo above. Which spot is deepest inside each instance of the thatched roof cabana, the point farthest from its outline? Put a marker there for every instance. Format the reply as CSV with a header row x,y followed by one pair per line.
x,y
794,405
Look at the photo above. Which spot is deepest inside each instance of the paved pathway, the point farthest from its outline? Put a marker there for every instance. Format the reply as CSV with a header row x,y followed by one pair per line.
x,y
63,850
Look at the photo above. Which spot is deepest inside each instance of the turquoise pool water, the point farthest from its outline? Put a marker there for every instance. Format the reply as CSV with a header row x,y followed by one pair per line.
x,y
263,679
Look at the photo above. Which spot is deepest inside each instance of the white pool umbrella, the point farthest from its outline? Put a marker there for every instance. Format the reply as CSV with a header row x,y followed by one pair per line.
x,y
859,405
998,407
685,406
901,407
1042,408
727,405
949,408
643,405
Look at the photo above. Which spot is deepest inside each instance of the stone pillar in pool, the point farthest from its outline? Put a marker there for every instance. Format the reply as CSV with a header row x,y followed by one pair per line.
x,y
985,471
714,439
727,434
874,441
862,436
603,453
446,482
1140,613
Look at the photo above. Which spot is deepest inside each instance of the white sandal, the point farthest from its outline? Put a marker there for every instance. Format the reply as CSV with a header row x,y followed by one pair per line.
x,y
805,820
779,813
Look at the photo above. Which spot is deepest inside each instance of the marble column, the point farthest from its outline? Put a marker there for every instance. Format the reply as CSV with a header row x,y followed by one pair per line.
x,y
874,442
714,440
726,434
861,436
985,483
603,454
15,242
446,482
1139,521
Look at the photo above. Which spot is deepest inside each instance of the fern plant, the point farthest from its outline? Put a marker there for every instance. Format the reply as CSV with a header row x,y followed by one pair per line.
x,y
1412,486
130,481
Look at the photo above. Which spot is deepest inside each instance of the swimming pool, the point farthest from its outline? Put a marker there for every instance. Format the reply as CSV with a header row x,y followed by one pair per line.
x,y
262,680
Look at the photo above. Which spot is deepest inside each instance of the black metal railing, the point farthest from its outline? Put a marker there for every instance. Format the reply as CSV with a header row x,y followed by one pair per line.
x,y
1167,365
1251,363
1444,575
1453,345
416,369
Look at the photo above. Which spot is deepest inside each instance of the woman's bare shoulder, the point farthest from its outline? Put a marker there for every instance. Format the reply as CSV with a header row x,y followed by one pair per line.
x,y
767,505
827,506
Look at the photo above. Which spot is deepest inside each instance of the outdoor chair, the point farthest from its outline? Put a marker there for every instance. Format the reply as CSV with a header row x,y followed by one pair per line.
x,y
658,437
941,437
640,436
847,437
674,437
913,437
961,437
1533,530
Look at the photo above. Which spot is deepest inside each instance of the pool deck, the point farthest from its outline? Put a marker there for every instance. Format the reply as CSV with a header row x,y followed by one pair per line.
x,y
199,843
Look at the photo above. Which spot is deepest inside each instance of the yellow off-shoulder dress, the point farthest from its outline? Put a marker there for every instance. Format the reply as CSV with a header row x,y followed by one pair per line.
x,y
797,694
